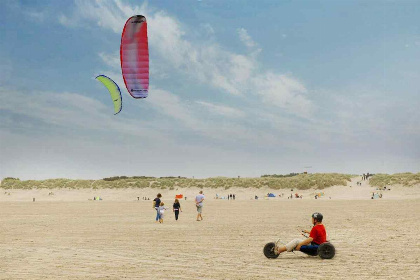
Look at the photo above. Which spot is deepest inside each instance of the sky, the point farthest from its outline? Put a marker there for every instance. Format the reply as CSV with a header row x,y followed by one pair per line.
x,y
237,88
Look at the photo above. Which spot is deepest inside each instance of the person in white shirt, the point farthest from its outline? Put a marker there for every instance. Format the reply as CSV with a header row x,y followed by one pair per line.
x,y
199,203
161,210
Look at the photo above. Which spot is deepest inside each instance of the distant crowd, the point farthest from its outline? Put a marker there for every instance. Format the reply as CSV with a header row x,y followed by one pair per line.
x,y
230,196
366,176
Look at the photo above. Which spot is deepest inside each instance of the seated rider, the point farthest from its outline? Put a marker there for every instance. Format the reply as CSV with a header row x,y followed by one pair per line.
x,y
317,236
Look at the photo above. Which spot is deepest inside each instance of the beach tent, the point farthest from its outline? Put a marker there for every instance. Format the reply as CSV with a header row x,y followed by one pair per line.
x,y
179,196
376,196
271,195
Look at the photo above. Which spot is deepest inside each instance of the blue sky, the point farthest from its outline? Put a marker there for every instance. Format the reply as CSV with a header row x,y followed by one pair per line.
x,y
236,88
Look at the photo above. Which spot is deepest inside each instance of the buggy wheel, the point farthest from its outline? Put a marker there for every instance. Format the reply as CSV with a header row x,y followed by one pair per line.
x,y
269,250
326,250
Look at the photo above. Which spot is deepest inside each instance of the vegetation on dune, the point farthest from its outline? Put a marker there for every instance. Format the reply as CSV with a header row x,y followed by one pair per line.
x,y
290,181
405,179
281,175
11,178
300,181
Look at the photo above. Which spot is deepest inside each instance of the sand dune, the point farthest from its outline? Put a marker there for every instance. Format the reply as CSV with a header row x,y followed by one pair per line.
x,y
66,236
350,192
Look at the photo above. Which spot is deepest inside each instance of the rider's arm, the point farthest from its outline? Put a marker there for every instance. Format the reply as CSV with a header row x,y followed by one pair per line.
x,y
304,242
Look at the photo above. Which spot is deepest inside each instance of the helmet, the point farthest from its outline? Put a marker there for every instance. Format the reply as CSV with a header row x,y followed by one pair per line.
x,y
318,216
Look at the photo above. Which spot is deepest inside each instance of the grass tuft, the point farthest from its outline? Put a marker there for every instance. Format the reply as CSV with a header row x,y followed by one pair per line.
x,y
405,179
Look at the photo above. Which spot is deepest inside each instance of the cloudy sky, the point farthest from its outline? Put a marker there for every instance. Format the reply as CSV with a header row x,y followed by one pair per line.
x,y
236,88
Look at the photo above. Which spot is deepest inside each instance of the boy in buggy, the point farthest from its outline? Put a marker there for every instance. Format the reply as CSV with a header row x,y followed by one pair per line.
x,y
317,236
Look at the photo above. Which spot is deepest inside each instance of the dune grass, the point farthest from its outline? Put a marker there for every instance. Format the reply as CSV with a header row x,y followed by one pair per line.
x,y
405,179
300,182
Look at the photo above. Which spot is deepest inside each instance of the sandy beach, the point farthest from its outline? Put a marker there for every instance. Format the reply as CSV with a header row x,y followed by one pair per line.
x,y
68,236
290,107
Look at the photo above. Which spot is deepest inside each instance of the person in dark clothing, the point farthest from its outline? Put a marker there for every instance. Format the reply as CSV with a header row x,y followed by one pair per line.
x,y
234,196
176,208
156,204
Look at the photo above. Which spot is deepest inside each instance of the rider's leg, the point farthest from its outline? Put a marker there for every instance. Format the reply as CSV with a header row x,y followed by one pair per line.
x,y
292,244
280,250
288,247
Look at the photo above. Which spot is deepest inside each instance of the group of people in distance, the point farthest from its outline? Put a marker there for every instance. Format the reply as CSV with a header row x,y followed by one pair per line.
x,y
160,208
366,176
231,196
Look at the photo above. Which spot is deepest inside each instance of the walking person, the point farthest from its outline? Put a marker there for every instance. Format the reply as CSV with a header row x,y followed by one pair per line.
x,y
176,208
161,210
199,204
156,204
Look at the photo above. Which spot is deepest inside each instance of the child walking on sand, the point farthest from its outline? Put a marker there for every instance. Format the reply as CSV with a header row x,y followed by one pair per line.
x,y
161,210
176,208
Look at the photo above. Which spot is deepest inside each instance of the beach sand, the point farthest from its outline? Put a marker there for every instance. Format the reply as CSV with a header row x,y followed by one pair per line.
x,y
66,236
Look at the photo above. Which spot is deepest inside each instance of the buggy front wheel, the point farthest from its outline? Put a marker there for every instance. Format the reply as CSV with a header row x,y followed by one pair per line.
x,y
269,250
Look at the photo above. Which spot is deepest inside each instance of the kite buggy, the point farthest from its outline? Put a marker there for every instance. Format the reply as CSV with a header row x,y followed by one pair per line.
x,y
324,251
316,244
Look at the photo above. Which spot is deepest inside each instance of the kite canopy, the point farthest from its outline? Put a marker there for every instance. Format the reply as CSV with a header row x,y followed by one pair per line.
x,y
114,91
134,54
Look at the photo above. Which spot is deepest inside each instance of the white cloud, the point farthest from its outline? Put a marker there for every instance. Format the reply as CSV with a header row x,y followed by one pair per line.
x,y
258,126
171,105
285,92
222,109
65,21
36,15
208,28
245,38
71,110
112,60
106,14
207,63
6,69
